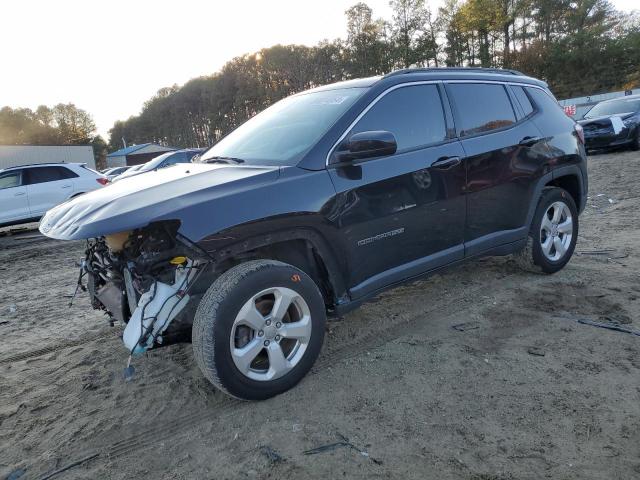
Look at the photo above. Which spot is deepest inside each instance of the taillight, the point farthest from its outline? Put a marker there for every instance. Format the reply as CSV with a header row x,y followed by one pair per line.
x,y
580,132
102,181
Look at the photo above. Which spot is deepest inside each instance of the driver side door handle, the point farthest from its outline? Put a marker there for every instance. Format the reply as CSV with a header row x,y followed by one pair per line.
x,y
445,163
529,141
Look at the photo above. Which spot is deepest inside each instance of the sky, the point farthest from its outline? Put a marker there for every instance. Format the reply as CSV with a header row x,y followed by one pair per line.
x,y
109,57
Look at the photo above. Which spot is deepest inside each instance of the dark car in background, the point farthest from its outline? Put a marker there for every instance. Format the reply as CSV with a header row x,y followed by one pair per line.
x,y
613,123
323,201
162,161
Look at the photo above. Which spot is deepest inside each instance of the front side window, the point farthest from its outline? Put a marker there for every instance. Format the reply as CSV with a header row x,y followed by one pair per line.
x,y
10,179
481,107
413,114
283,133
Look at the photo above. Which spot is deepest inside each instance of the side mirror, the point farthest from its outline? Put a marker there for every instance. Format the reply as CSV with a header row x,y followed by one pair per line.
x,y
363,145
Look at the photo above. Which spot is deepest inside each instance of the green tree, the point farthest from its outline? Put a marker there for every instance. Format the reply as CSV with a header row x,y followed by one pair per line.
x,y
408,25
367,46
578,46
63,124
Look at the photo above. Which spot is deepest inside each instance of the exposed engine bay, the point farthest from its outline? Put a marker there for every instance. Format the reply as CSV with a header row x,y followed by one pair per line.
x,y
144,278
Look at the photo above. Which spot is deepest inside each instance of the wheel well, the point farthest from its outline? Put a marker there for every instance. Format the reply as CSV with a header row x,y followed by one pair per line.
x,y
571,184
300,253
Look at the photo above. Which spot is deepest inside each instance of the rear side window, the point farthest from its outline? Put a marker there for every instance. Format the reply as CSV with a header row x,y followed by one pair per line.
x,y
481,107
523,100
10,179
413,114
48,174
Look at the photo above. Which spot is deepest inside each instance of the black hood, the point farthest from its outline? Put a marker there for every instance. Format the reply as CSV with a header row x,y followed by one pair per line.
x,y
604,120
175,193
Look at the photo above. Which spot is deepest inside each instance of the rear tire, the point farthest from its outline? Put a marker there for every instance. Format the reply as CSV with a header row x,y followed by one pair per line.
x,y
553,233
635,146
259,329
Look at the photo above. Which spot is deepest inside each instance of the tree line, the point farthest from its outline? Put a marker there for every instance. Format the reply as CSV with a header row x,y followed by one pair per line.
x,y
580,47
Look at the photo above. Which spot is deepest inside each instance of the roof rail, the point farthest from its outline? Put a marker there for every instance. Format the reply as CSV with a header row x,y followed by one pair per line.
x,y
454,69
43,164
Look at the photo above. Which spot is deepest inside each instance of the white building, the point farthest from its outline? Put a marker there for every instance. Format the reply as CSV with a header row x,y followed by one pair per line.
x,y
14,155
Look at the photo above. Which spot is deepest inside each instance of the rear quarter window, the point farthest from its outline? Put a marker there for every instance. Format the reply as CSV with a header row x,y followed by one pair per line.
x,y
523,100
481,107
553,119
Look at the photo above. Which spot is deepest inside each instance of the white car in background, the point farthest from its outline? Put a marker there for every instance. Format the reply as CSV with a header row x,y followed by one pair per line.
x,y
112,173
28,191
162,161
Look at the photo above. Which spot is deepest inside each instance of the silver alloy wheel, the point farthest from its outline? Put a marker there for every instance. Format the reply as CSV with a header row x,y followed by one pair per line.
x,y
270,333
556,231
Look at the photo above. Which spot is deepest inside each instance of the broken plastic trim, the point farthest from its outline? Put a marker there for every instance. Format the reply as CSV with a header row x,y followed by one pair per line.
x,y
157,307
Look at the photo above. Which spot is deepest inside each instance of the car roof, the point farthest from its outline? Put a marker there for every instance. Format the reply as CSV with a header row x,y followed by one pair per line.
x,y
49,164
439,73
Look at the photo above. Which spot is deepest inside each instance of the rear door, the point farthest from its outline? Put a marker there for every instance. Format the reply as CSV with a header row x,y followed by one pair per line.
x,y
13,197
402,214
505,157
47,187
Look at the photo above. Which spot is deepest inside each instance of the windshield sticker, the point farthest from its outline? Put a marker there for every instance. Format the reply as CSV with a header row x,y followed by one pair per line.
x,y
332,101
617,124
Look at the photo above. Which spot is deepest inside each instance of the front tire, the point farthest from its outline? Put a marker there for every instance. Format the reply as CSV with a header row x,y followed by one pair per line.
x,y
259,329
553,233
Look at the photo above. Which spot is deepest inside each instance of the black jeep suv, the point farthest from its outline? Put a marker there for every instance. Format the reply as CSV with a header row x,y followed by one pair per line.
x,y
322,201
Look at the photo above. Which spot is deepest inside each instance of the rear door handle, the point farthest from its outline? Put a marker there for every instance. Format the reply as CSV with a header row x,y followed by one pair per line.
x,y
445,163
19,194
529,141
66,186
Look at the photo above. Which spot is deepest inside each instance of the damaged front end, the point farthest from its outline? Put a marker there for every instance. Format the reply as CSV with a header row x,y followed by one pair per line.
x,y
145,278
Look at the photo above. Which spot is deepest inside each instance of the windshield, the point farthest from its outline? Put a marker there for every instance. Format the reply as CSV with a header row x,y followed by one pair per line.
x,y
284,132
615,107
153,163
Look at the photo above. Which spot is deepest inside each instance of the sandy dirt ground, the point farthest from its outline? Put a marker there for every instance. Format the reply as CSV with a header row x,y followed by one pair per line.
x,y
519,389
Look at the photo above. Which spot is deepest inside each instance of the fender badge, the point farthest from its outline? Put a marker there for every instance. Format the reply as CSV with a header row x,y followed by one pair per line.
x,y
392,233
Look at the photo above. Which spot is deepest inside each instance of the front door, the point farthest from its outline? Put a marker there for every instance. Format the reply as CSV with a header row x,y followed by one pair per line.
x,y
402,214
13,197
